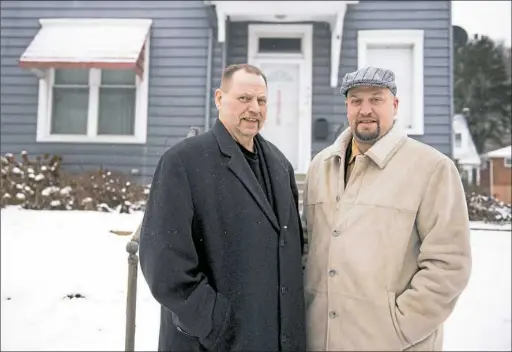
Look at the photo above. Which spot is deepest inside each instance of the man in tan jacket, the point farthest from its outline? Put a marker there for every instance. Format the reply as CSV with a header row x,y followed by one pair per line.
x,y
387,228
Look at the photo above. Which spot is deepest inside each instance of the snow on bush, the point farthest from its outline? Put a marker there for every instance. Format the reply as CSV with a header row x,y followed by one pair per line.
x,y
488,209
40,183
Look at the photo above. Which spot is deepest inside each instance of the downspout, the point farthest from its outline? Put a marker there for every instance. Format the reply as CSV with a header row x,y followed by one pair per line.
x,y
450,80
225,48
208,94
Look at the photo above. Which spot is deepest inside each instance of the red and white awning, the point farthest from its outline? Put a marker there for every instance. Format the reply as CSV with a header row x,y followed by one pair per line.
x,y
88,43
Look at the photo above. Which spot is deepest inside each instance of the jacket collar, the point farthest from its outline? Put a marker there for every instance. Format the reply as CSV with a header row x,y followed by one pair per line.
x,y
227,143
239,166
380,153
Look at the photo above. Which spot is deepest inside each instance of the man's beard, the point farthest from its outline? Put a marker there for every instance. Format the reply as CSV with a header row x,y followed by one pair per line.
x,y
367,136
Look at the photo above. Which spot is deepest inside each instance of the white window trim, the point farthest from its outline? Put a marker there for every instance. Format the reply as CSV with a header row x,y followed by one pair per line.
x,y
507,164
44,112
367,38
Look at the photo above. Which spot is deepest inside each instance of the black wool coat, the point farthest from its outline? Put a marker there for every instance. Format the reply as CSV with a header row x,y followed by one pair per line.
x,y
225,268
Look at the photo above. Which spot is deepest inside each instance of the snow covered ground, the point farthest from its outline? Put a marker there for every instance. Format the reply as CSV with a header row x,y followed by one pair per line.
x,y
48,255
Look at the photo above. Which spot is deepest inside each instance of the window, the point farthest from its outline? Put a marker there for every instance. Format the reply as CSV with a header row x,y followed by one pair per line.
x,y
96,105
507,162
93,89
402,52
93,102
458,140
280,45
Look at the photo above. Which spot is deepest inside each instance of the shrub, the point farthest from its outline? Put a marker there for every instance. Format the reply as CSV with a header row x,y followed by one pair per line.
x,y
487,209
42,184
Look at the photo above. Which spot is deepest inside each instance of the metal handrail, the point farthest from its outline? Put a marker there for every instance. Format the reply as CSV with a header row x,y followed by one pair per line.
x,y
131,297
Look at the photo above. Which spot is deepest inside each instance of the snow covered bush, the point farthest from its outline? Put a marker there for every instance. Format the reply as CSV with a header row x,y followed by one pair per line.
x,y
108,191
487,209
42,184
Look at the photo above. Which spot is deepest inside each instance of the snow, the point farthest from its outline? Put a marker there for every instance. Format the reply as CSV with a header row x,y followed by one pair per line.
x,y
39,177
505,152
49,256
101,40
49,190
66,191
17,171
482,319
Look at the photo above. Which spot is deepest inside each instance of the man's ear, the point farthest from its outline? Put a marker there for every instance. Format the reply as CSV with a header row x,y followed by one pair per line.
x,y
218,98
395,105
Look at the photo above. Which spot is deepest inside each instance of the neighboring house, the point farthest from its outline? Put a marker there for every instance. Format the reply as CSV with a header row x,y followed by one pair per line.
x,y
464,151
115,83
496,174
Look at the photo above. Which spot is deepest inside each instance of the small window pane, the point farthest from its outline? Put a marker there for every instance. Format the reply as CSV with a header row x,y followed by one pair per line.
x,y
117,111
281,45
70,110
458,140
123,77
71,76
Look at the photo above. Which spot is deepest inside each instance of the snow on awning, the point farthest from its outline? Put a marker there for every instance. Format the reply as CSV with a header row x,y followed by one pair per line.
x,y
88,43
332,12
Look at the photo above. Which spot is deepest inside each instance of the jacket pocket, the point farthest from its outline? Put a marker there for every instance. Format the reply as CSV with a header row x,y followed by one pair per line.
x,y
394,320
362,325
183,331
221,336
178,325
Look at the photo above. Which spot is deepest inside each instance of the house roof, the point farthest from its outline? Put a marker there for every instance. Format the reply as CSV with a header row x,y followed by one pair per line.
x,y
88,43
505,152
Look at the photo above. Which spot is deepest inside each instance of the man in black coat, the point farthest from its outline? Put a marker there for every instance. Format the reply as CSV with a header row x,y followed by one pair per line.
x,y
221,240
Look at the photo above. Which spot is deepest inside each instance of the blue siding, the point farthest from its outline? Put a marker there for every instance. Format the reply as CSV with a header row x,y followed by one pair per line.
x,y
178,72
178,60
431,16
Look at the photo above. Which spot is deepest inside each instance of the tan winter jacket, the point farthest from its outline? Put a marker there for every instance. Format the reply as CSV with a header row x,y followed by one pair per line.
x,y
389,255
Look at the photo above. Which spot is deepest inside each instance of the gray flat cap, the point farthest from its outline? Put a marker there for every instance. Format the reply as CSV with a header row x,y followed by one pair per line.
x,y
369,77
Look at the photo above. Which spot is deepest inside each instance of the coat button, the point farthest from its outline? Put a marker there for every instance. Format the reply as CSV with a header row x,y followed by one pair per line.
x,y
285,227
332,273
283,290
337,198
332,314
283,338
336,233
281,243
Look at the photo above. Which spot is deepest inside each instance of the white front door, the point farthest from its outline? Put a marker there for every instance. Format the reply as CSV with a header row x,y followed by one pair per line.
x,y
282,125
288,68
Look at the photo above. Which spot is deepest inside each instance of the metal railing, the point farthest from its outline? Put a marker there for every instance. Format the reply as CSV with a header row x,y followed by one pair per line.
x,y
131,297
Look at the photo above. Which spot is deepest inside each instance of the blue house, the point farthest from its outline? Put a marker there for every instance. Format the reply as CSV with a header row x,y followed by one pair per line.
x,y
115,83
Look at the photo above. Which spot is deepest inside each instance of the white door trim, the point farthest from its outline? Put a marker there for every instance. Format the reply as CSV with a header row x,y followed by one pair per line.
x,y
305,60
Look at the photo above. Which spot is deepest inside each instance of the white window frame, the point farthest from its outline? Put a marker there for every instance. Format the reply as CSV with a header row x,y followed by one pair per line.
x,y
507,162
414,38
44,113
